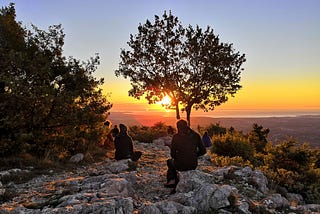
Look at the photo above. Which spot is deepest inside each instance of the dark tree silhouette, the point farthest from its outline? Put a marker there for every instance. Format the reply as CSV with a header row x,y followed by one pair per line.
x,y
49,101
190,65
258,137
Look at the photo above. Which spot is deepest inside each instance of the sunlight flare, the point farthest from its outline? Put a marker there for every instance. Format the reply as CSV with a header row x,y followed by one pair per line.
x,y
166,101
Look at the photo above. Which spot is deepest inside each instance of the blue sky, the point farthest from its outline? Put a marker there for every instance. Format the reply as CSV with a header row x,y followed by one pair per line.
x,y
281,40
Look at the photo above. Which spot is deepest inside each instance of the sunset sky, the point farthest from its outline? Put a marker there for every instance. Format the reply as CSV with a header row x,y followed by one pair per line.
x,y
280,38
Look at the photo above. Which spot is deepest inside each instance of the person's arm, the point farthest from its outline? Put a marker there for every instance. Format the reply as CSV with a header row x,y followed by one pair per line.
x,y
173,149
201,149
116,143
130,145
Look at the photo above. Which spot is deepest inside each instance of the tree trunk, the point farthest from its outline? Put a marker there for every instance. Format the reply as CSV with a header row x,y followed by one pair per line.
x,y
188,112
177,111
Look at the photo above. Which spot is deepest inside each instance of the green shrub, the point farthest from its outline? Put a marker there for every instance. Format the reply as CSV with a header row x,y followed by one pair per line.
x,y
294,167
287,155
286,165
147,134
222,161
231,145
216,130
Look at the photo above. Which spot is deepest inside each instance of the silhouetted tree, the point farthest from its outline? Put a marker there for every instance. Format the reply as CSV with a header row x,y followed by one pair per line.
x,y
49,101
258,137
216,130
190,65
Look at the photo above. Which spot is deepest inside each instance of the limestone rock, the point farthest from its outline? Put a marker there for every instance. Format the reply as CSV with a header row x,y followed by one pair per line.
x,y
77,158
119,187
275,201
119,166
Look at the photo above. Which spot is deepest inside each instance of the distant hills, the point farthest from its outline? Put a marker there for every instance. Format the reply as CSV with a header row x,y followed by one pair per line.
x,y
302,128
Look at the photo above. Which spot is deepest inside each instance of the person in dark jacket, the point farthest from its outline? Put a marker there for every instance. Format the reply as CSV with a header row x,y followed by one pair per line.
x,y
186,147
124,146
206,140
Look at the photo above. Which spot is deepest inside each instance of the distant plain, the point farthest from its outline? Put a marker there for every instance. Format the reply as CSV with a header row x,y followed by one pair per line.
x,y
303,128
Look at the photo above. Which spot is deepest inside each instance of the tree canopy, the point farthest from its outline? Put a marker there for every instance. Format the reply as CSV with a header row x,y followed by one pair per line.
x,y
188,64
48,102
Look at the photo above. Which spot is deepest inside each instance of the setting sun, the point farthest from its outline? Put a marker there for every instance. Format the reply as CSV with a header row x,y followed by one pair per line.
x,y
166,101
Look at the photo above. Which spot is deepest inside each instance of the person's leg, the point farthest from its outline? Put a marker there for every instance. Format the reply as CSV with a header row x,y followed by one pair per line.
x,y
171,174
136,156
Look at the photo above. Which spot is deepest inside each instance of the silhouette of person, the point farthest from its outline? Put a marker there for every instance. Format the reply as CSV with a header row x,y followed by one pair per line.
x,y
124,146
185,149
107,136
206,140
115,131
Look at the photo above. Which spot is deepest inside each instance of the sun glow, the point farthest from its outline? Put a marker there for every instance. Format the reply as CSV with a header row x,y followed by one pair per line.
x,y
166,101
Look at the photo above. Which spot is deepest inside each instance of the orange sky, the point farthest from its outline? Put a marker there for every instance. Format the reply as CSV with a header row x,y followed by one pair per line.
x,y
280,39
260,94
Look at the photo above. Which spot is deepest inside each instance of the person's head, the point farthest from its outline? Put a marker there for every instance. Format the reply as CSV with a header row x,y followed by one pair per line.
x,y
123,128
107,123
182,126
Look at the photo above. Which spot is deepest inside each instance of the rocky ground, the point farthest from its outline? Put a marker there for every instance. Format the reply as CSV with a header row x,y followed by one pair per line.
x,y
128,187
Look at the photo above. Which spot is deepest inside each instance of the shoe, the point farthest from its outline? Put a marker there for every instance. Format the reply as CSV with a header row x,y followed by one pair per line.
x,y
171,184
173,191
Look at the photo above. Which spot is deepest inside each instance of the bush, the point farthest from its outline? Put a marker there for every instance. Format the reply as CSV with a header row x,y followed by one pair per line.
x,y
287,155
232,145
294,167
147,134
286,165
215,130
222,161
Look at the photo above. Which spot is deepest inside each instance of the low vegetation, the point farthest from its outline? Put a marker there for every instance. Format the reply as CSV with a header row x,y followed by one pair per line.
x,y
287,164
147,134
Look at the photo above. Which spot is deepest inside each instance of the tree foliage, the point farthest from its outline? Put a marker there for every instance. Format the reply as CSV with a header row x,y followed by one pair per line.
x,y
48,101
188,64
258,137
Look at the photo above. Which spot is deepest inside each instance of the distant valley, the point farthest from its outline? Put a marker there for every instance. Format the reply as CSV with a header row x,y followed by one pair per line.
x,y
302,128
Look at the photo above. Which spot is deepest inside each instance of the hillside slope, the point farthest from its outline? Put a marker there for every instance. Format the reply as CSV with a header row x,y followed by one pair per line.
x,y
128,187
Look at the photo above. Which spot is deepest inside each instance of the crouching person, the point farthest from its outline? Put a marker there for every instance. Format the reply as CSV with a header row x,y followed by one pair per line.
x,y
124,146
186,147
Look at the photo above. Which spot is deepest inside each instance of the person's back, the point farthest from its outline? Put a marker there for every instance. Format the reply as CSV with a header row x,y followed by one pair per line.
x,y
123,144
186,147
184,150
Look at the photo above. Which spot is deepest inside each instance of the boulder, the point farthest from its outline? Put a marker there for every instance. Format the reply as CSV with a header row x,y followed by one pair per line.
x,y
275,201
167,207
119,166
193,179
77,158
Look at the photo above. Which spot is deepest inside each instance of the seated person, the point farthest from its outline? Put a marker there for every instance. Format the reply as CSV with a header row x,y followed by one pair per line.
x,y
124,146
206,140
186,147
